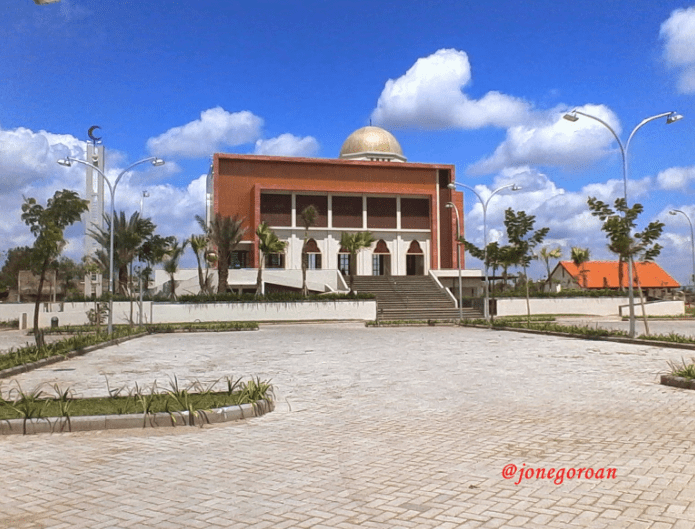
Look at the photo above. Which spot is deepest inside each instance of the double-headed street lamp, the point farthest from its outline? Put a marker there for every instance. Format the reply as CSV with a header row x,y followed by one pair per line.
x,y
67,162
671,117
484,204
692,238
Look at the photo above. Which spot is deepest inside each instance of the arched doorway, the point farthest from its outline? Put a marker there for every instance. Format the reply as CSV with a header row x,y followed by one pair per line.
x,y
381,259
415,260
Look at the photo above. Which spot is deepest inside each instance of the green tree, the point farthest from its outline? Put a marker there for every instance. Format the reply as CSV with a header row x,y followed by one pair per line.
x,y
129,234
171,264
580,256
308,217
354,243
69,273
48,225
17,259
268,243
225,233
523,240
619,224
152,252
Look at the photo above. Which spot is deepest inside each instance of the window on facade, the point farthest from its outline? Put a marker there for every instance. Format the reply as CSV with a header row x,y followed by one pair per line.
x,y
321,205
381,213
347,212
314,261
275,260
415,213
276,210
344,263
239,259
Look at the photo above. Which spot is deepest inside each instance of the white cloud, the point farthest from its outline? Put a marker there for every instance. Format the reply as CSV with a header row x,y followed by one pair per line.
x,y
429,96
288,145
678,34
28,157
676,178
215,130
554,141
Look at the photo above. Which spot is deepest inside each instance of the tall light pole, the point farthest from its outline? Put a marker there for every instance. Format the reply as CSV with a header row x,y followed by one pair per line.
x,y
692,238
145,194
484,203
458,254
671,117
67,162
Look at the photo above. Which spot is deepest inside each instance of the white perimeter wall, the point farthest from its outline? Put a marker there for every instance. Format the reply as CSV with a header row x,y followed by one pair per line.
x,y
595,306
76,313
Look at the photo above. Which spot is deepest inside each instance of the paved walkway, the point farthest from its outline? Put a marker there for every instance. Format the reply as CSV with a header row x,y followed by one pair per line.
x,y
376,428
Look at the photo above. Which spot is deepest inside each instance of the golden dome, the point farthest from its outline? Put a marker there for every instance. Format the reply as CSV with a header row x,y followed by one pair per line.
x,y
371,143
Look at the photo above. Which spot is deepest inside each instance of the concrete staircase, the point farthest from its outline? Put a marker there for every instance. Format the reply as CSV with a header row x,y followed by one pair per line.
x,y
410,298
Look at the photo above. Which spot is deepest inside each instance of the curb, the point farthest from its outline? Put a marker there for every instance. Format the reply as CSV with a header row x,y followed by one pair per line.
x,y
88,423
677,382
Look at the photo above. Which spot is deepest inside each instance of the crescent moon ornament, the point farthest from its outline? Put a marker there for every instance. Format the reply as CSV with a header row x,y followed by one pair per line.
x,y
91,135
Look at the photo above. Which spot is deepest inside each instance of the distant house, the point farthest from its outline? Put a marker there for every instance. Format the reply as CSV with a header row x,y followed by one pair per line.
x,y
595,275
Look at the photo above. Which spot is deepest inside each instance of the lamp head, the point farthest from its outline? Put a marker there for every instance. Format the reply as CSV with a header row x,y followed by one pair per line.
x,y
516,188
672,213
673,117
65,162
449,205
571,116
157,162
451,185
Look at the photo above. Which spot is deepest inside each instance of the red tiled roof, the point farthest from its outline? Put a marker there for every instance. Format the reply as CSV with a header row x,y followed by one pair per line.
x,y
604,274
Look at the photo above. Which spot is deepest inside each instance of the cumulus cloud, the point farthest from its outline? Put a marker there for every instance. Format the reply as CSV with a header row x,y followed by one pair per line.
x,y
429,96
554,141
216,129
678,34
676,178
28,157
288,145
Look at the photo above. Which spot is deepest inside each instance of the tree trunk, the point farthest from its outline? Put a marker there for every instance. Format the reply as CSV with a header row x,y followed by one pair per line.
x,y
305,289
528,301
38,335
641,296
201,282
259,278
352,266
222,273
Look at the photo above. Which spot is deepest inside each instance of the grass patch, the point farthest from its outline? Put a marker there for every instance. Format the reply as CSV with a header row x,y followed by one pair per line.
x,y
86,336
683,370
9,324
194,398
578,330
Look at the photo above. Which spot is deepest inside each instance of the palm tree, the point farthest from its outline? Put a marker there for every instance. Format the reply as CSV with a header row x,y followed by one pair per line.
x,y
128,237
225,233
171,264
268,243
199,244
579,257
308,216
354,243
546,255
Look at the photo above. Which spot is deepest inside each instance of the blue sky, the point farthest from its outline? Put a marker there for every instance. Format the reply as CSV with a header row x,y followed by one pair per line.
x,y
482,85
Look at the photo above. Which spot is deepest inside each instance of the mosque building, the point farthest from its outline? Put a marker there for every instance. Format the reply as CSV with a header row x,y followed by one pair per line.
x,y
370,187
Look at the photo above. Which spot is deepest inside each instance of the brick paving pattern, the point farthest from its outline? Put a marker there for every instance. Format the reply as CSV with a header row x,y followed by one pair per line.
x,y
375,428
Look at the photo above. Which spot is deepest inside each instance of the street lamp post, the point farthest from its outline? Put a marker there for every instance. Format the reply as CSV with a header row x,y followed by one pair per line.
x,y
671,117
692,238
67,162
484,204
458,255
145,194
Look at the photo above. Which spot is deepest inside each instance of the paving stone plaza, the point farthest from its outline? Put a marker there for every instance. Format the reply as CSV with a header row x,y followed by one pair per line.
x,y
375,428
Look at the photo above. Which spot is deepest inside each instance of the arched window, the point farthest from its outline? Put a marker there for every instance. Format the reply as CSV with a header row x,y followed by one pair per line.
x,y
313,255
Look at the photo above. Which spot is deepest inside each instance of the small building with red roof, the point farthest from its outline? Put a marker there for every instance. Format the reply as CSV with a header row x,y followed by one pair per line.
x,y
596,275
